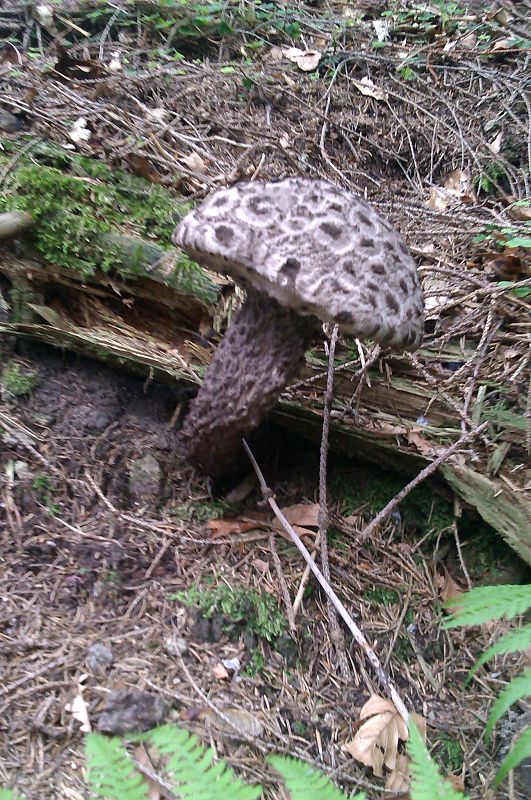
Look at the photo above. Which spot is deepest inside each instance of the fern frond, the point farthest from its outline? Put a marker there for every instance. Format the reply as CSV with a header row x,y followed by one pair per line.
x,y
111,773
9,794
427,783
516,641
487,603
305,783
517,689
520,750
192,768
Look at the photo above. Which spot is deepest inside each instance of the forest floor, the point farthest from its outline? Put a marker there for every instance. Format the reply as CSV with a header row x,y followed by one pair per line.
x,y
120,568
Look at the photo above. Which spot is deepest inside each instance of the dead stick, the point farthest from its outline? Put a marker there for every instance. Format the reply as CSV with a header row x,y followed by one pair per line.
x,y
425,473
353,628
335,630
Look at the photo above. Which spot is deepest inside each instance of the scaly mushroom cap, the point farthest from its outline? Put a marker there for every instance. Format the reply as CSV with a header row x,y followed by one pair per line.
x,y
315,248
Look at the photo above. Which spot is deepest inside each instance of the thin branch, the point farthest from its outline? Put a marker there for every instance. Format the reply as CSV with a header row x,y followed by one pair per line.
x,y
338,639
425,473
353,628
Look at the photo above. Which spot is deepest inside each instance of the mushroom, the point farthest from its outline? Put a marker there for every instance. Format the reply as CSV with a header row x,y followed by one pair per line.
x,y
303,250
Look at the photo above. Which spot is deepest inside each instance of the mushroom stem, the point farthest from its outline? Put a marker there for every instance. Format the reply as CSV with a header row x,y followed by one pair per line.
x,y
261,352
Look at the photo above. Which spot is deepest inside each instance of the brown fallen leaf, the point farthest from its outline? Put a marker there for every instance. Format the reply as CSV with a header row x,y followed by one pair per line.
x,y
448,589
306,60
375,743
399,779
77,68
220,673
142,167
366,87
304,514
142,757
236,720
228,527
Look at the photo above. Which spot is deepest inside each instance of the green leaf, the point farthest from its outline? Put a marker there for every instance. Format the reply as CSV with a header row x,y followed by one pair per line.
x,y
519,241
427,783
8,794
520,750
111,773
192,768
515,641
518,688
305,783
487,603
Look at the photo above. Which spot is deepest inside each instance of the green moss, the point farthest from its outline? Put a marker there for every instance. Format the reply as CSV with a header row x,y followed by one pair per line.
x,y
371,488
256,611
381,596
17,382
449,753
200,510
75,200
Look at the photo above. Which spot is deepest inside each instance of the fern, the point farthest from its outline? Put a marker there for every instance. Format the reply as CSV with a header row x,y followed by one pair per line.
x,y
8,794
518,688
111,772
520,750
427,783
487,603
514,642
305,783
192,768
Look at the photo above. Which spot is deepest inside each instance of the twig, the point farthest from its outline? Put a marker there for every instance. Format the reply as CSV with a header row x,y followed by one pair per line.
x,y
425,473
353,628
337,637
283,584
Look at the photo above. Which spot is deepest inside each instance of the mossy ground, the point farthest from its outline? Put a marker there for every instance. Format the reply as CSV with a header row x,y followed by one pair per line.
x,y
75,199
16,382
257,612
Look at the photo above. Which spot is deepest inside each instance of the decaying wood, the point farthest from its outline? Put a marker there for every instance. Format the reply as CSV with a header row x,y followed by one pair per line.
x,y
152,328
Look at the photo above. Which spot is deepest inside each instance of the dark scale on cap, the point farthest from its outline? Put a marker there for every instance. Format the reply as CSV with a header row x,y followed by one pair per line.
x,y
366,242
224,234
334,231
391,301
259,206
373,286
378,268
403,285
290,268
365,219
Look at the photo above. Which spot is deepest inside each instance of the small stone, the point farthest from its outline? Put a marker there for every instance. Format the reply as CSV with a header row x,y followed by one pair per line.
x,y
175,645
144,477
132,711
99,658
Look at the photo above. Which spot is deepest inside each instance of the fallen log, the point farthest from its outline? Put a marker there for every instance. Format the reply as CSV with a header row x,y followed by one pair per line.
x,y
152,322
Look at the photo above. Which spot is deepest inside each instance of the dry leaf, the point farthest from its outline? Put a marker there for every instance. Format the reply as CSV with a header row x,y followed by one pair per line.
x,y
375,743
495,145
456,782
306,60
142,757
398,779
422,444
76,68
79,131
369,89
448,588
503,44
457,188
142,167
521,212
220,672
236,720
304,514
79,710
227,527
195,163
